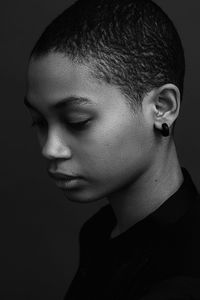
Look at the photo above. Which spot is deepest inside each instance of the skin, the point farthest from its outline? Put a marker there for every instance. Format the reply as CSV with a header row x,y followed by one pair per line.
x,y
121,155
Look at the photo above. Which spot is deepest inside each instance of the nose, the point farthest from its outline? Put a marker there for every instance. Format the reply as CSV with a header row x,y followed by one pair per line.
x,y
55,147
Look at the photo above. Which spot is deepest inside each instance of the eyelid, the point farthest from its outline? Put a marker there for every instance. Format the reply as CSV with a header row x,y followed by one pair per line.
x,y
79,125
41,122
78,121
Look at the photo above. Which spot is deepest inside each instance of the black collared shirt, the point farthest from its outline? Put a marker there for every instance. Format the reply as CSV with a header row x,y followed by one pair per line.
x,y
157,257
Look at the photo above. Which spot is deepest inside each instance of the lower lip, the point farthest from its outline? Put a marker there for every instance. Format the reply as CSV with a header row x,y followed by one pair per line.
x,y
68,183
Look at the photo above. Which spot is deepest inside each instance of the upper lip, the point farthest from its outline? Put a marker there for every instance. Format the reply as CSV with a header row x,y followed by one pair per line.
x,y
58,175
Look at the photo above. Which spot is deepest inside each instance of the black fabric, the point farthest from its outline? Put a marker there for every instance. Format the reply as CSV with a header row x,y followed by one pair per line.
x,y
157,258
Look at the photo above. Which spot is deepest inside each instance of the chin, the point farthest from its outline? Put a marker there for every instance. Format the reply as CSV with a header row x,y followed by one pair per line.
x,y
82,197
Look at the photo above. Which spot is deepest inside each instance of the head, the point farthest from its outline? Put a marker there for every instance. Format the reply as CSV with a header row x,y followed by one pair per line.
x,y
116,67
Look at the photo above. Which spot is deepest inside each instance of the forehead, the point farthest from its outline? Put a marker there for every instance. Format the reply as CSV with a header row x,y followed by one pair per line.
x,y
55,77
55,72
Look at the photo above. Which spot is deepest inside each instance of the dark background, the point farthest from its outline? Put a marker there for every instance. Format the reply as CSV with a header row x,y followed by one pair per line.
x,y
39,227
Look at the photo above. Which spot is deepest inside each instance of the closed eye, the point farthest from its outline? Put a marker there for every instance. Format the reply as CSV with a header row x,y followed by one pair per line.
x,y
74,125
78,125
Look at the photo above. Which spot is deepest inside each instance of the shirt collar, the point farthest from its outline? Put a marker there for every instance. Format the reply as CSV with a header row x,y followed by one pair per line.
x,y
162,219
177,205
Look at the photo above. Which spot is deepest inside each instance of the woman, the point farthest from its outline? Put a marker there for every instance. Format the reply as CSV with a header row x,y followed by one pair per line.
x,y
104,88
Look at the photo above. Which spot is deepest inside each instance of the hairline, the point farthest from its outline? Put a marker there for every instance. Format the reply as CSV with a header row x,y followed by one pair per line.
x,y
88,61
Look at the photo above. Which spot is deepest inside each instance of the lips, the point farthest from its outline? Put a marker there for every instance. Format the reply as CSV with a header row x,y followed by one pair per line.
x,y
58,175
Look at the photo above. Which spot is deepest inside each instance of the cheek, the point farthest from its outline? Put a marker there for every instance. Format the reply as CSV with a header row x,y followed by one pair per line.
x,y
118,150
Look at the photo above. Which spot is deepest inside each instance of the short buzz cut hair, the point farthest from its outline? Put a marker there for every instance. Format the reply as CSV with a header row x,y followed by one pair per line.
x,y
131,44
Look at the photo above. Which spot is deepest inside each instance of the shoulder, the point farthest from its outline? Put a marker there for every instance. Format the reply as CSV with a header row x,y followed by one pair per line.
x,y
184,247
177,252
179,263
190,237
180,287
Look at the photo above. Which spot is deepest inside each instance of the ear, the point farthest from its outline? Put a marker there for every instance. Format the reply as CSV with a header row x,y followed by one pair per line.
x,y
166,105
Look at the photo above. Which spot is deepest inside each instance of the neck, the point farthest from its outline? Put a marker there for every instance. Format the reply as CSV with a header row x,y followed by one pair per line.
x,y
149,191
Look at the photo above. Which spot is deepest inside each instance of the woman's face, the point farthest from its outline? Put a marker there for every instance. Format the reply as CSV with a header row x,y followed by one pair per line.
x,y
110,150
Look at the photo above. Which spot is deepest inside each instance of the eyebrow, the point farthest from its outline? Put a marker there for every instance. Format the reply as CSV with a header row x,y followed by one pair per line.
x,y
66,102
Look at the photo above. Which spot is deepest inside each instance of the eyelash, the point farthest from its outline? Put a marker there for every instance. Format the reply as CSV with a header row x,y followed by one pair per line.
x,y
75,125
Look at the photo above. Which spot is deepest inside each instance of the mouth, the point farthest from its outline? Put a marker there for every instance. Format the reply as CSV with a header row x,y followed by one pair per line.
x,y
69,183
62,176
65,181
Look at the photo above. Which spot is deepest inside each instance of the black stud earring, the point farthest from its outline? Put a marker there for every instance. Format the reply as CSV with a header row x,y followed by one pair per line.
x,y
165,129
